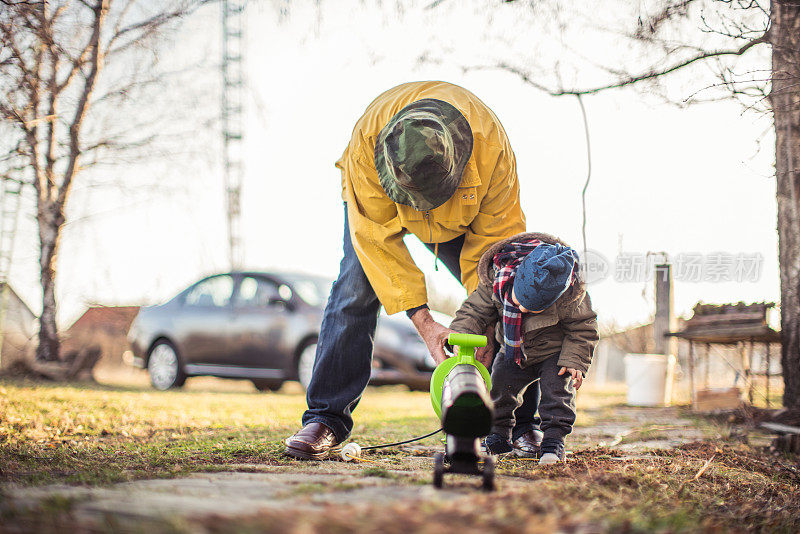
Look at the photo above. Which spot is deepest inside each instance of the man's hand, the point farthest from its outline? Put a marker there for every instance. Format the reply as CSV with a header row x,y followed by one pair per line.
x,y
577,376
485,355
433,334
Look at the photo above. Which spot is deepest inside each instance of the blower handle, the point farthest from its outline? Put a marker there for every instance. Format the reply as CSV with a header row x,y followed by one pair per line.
x,y
465,345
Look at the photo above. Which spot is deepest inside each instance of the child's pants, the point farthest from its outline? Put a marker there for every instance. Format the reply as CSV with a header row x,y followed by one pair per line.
x,y
556,407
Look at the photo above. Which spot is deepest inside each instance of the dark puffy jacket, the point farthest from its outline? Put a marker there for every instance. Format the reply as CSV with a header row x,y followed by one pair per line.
x,y
568,327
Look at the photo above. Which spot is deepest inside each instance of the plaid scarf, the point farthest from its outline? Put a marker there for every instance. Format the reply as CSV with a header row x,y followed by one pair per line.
x,y
506,262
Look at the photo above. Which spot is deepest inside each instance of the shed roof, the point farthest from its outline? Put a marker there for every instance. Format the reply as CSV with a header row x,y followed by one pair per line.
x,y
112,319
729,334
729,324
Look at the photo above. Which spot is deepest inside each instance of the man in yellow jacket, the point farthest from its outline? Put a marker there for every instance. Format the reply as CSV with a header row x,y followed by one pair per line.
x,y
427,158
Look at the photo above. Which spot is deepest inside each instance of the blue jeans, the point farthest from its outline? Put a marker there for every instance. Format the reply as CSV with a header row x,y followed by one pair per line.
x,y
525,415
344,350
557,406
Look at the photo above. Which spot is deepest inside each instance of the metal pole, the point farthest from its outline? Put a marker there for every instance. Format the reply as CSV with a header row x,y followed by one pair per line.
x,y
768,358
663,321
232,123
691,373
749,372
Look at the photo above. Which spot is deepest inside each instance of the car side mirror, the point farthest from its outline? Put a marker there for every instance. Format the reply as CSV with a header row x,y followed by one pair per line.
x,y
278,301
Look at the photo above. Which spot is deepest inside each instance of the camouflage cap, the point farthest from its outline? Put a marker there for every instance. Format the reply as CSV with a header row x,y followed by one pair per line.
x,y
421,153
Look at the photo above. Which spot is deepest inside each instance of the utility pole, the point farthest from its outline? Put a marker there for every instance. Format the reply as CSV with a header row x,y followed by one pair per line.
x,y
9,204
232,123
664,321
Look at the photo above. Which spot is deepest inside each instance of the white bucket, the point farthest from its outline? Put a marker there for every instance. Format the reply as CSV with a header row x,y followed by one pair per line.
x,y
649,379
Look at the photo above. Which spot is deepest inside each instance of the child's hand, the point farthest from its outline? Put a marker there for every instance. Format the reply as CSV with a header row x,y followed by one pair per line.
x,y
485,355
577,376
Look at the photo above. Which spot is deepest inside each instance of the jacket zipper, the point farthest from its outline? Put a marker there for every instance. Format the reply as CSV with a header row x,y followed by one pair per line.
x,y
427,216
430,238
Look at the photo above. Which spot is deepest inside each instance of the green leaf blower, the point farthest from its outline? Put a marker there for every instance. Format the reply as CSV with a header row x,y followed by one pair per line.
x,y
460,397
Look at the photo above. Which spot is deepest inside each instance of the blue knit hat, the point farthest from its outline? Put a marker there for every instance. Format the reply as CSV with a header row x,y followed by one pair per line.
x,y
544,275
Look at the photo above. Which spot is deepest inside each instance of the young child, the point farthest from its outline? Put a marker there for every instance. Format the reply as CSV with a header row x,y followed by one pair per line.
x,y
530,289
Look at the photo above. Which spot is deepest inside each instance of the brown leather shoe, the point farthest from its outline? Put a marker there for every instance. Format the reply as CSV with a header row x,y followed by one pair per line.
x,y
528,445
314,441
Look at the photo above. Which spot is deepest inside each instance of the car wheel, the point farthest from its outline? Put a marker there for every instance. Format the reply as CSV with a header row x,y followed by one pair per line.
x,y
305,364
267,384
164,367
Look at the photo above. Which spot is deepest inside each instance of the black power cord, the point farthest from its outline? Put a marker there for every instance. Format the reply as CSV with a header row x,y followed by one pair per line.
x,y
412,440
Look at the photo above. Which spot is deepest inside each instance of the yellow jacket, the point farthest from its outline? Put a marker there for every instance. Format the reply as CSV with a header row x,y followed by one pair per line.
x,y
485,207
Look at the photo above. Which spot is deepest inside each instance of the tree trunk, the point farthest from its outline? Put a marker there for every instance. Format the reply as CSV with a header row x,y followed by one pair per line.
x,y
785,39
49,232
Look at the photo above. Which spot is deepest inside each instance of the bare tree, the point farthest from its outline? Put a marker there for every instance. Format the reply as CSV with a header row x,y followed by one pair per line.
x,y
54,56
784,36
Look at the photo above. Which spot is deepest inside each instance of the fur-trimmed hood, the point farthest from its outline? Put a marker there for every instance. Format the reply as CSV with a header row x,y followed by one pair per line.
x,y
573,296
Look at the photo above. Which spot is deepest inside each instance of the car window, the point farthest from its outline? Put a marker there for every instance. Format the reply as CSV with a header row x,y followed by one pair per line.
x,y
313,292
214,292
257,292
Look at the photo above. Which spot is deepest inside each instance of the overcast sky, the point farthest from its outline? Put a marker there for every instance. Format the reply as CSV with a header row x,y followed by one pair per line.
x,y
695,181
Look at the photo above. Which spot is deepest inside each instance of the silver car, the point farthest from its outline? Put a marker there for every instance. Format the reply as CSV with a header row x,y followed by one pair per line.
x,y
261,326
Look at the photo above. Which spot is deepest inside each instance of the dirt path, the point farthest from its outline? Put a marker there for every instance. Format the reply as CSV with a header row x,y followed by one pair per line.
x,y
300,488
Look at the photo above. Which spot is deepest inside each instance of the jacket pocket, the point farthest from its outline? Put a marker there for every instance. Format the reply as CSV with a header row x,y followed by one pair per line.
x,y
543,342
531,322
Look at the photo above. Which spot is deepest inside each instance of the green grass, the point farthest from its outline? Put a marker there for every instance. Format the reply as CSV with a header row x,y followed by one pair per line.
x,y
95,435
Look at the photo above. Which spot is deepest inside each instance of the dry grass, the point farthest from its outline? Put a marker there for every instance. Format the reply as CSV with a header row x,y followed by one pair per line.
x,y
102,434
596,491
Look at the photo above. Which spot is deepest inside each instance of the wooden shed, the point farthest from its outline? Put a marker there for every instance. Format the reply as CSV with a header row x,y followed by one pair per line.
x,y
17,327
739,325
102,326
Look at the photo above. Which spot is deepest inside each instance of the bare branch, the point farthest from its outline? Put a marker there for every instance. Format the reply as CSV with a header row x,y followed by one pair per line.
x,y
16,3
434,4
148,26
52,91
9,113
647,28
8,40
630,80
100,11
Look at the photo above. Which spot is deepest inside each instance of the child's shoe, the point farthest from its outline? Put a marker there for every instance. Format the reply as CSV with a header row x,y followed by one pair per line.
x,y
552,451
549,458
528,445
497,445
